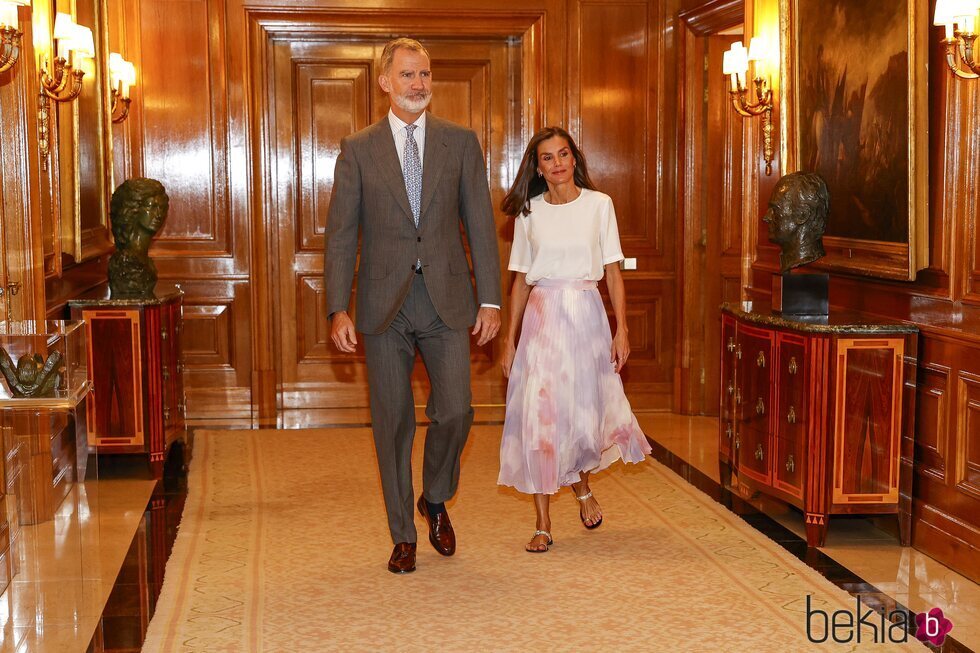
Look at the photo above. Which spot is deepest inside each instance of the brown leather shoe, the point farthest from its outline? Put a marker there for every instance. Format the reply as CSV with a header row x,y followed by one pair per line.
x,y
402,560
441,533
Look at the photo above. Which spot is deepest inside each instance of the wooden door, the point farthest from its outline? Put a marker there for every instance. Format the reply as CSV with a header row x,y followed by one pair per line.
x,y
323,90
721,238
710,191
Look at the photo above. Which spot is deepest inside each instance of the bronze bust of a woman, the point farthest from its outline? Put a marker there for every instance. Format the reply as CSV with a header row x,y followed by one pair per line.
x,y
138,209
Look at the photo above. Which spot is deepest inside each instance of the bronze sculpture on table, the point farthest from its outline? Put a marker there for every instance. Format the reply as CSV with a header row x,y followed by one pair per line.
x,y
797,219
138,209
33,376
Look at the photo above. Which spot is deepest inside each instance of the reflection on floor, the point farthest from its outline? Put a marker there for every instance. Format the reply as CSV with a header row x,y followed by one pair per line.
x,y
133,599
865,556
65,568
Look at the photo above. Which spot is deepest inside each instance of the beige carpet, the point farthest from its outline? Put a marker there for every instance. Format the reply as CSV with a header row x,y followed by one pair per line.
x,y
283,546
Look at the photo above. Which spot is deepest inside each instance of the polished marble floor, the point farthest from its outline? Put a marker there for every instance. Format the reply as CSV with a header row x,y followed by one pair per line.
x,y
66,567
867,548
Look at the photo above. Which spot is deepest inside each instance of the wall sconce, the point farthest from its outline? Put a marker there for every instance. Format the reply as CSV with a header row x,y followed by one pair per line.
x,y
960,18
122,75
10,35
63,82
736,65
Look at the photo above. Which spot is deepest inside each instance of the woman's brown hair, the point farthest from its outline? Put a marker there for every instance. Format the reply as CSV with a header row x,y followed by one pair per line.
x,y
528,184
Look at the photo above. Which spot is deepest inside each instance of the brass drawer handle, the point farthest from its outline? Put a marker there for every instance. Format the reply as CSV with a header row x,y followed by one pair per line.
x,y
759,453
760,360
738,352
790,465
166,373
792,364
738,397
760,407
791,418
731,344
728,431
166,414
731,387
738,442
163,333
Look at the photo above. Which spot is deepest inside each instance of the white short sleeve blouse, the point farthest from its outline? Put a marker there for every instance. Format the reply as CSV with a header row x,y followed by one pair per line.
x,y
566,241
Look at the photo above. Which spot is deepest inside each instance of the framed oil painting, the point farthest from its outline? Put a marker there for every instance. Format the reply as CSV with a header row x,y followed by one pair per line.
x,y
853,84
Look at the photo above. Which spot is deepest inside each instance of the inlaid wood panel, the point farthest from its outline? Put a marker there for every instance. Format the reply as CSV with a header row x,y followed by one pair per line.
x,y
932,420
611,92
115,403
184,134
867,435
968,435
215,335
346,90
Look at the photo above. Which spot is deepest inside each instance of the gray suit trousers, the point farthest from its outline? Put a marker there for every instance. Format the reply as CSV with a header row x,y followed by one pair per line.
x,y
390,360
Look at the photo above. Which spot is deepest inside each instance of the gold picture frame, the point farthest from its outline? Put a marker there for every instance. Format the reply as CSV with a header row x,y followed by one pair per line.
x,y
855,103
85,154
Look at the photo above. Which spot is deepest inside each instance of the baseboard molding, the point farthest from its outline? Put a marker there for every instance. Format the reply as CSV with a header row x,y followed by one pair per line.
x,y
943,538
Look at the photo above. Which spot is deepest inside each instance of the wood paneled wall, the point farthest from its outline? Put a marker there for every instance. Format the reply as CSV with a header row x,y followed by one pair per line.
x,y
944,301
606,69
600,67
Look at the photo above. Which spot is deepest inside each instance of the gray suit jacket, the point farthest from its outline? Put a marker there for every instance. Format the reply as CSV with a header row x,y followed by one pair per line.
x,y
369,193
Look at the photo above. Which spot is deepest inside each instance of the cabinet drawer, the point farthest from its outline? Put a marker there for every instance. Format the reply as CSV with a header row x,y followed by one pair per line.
x,y
727,392
752,454
789,466
754,348
790,374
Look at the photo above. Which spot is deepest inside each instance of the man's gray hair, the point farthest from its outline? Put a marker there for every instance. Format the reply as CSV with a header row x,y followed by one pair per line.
x,y
388,54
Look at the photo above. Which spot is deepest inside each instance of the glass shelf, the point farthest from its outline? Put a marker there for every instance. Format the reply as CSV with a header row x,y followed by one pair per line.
x,y
24,340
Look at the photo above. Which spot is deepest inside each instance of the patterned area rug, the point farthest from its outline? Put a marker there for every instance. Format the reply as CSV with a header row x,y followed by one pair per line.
x,y
283,547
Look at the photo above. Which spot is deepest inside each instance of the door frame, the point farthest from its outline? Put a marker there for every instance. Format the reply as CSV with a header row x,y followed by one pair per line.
x,y
264,26
694,26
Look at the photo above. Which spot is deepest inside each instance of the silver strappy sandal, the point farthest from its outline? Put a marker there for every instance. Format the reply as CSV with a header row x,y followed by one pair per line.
x,y
582,499
549,543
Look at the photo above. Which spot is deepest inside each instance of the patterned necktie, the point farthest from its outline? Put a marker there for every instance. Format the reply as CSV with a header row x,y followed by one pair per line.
x,y
413,173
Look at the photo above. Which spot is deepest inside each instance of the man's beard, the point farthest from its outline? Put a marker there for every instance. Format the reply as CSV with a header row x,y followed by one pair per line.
x,y
413,102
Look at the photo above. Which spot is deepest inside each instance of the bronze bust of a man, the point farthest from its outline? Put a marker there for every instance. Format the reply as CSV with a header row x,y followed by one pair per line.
x,y
138,209
797,218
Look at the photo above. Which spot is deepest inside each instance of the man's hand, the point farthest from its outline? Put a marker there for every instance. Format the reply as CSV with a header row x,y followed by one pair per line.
x,y
342,332
487,324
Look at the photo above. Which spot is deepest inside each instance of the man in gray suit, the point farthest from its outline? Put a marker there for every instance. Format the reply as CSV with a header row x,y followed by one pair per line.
x,y
406,182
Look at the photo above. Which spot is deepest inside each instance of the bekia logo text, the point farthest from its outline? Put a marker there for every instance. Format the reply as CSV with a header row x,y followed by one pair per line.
x,y
867,625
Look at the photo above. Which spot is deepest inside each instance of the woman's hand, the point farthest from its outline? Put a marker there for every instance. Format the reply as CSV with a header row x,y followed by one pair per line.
x,y
510,351
620,349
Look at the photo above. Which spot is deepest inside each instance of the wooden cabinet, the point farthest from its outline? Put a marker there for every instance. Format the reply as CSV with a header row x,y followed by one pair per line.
x,y
818,412
136,405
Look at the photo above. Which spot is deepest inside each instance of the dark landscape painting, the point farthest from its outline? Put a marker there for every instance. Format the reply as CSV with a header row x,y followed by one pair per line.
x,y
853,77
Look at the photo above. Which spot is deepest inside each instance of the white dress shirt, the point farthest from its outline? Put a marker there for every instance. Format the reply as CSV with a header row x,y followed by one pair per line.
x,y
400,134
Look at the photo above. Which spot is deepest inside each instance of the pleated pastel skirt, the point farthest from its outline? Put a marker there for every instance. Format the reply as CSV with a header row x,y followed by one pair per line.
x,y
566,409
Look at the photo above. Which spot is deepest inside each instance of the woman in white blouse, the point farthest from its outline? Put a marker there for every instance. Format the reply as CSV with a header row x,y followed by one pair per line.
x,y
567,415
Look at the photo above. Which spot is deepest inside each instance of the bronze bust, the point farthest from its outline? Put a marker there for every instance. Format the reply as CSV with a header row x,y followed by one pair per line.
x,y
138,209
797,218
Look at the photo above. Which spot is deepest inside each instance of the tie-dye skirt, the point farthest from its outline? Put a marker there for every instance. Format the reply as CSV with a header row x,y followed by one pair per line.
x,y
566,409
